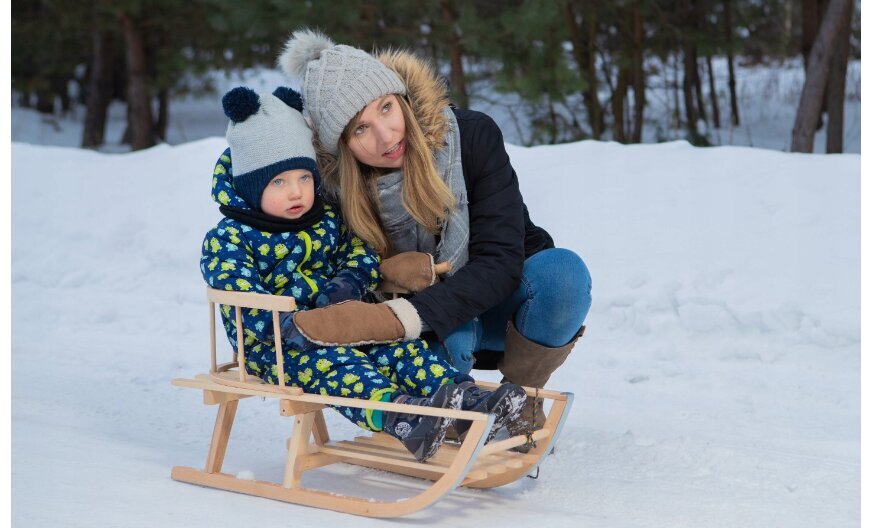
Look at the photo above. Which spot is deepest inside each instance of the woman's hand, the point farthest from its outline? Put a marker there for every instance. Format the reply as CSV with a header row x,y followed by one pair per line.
x,y
412,270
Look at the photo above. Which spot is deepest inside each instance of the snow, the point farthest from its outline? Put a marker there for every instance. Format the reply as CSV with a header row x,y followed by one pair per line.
x,y
718,383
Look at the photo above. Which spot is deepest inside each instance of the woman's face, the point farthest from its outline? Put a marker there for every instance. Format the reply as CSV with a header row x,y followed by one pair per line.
x,y
378,134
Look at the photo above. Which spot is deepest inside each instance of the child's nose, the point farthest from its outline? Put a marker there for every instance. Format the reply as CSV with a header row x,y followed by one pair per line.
x,y
294,190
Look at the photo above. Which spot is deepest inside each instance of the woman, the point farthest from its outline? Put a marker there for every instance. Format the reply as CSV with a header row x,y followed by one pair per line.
x,y
422,181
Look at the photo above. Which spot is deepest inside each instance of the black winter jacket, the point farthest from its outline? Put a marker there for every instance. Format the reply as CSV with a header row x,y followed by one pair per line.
x,y
501,233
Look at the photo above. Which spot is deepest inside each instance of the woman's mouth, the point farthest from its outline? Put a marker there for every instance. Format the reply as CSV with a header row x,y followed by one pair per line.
x,y
396,151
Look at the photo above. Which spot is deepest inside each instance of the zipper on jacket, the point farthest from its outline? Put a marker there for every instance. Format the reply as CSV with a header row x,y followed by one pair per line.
x,y
308,246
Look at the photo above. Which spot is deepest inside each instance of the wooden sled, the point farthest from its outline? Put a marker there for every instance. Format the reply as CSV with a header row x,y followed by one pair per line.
x,y
469,463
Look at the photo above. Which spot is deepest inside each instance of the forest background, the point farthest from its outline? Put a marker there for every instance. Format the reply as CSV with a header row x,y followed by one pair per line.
x,y
577,69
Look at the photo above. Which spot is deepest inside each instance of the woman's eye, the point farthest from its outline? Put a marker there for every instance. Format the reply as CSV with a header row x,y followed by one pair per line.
x,y
387,106
359,130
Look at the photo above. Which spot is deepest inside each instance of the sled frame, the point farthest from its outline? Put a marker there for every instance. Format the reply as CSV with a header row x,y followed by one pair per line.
x,y
469,463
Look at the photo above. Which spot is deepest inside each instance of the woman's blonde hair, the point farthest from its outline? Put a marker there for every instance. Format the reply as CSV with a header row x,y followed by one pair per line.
x,y
425,196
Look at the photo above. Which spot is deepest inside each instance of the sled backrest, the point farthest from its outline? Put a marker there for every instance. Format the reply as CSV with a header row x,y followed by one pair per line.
x,y
241,300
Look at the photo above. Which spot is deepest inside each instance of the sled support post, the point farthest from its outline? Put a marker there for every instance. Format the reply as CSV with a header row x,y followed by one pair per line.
x,y
212,337
320,429
297,447
221,433
241,354
278,347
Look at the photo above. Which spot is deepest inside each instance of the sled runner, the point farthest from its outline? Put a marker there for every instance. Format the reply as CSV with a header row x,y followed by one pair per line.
x,y
469,463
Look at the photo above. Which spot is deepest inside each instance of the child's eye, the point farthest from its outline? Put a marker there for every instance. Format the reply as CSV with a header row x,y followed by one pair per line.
x,y
305,177
278,181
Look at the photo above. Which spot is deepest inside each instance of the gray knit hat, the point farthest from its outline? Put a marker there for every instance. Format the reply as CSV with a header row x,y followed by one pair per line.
x,y
267,135
337,81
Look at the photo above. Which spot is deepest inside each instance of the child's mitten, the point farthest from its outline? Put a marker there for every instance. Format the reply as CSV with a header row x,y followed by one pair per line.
x,y
343,287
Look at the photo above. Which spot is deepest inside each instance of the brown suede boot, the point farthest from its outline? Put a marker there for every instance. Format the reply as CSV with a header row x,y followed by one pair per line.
x,y
530,364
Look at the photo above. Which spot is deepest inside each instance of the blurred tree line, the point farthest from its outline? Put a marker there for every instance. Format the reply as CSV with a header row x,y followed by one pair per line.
x,y
579,67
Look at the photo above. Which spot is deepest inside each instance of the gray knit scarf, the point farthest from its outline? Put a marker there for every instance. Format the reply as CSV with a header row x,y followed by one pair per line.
x,y
404,233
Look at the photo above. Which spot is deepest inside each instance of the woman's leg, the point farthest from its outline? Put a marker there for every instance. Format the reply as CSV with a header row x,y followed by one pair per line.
x,y
549,306
460,345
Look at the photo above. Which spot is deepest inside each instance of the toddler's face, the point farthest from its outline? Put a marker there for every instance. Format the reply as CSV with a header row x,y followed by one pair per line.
x,y
289,195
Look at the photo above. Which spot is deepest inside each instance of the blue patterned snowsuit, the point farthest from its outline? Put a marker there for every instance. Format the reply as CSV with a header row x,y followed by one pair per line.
x,y
300,264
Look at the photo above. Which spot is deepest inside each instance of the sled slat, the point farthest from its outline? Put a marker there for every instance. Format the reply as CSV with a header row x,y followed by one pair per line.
x,y
514,441
386,461
252,300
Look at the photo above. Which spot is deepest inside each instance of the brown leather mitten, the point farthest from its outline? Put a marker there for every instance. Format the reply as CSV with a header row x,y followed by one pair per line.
x,y
358,323
411,270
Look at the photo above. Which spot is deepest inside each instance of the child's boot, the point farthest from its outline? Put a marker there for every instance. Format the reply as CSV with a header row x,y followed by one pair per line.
x,y
505,402
422,435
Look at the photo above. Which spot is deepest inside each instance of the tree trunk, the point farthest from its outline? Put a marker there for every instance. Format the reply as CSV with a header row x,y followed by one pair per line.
x,y
59,86
810,22
696,23
731,81
675,86
99,90
638,73
618,97
836,85
139,102
809,109
163,114
45,101
713,96
812,12
690,66
584,53
688,46
457,73
698,87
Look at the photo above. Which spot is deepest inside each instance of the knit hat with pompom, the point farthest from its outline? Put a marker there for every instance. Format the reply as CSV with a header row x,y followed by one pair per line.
x,y
267,135
337,81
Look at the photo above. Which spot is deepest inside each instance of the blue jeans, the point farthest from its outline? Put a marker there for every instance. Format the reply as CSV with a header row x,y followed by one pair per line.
x,y
548,308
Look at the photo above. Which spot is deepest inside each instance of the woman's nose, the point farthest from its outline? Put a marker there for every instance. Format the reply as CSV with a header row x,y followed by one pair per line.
x,y
383,132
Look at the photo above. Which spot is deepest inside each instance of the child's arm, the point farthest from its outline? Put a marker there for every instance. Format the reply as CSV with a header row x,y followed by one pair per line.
x,y
227,264
357,267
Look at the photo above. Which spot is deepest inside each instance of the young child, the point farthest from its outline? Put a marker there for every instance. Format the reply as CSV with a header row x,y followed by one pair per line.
x,y
278,237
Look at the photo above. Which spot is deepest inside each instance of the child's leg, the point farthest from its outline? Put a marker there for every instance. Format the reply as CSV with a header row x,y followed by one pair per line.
x,y
332,371
416,368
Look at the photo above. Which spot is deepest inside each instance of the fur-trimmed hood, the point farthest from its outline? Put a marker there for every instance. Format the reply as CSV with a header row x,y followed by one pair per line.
x,y
427,92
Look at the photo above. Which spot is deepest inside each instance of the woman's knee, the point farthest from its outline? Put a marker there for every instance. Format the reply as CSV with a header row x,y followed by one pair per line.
x,y
559,271
558,285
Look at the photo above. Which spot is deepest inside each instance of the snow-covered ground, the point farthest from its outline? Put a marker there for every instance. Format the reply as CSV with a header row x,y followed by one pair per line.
x,y
718,384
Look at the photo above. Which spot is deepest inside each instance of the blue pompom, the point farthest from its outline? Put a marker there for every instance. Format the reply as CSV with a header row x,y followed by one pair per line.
x,y
240,103
290,97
